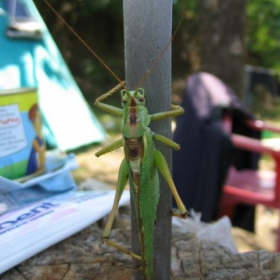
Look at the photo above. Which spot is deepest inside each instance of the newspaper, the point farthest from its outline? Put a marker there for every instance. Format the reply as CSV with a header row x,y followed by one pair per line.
x,y
56,179
43,210
36,227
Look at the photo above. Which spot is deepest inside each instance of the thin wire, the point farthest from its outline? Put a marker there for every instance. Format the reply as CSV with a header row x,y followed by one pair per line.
x,y
148,72
84,42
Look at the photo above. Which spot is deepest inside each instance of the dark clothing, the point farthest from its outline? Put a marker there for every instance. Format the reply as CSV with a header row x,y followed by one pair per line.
x,y
200,167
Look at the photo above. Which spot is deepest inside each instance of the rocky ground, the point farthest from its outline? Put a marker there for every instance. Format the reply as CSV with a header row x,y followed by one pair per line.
x,y
106,169
82,257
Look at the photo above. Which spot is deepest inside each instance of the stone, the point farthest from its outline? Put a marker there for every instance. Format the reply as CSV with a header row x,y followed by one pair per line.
x,y
83,257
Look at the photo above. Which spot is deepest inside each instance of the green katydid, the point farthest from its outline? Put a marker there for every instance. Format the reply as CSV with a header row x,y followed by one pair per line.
x,y
141,163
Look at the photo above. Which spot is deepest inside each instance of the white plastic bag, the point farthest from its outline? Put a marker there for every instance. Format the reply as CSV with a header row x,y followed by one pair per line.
x,y
219,231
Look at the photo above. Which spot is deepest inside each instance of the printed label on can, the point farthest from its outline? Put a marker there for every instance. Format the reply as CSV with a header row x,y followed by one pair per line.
x,y
22,147
12,135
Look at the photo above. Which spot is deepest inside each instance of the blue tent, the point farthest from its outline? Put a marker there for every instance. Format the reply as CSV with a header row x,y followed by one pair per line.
x,y
68,120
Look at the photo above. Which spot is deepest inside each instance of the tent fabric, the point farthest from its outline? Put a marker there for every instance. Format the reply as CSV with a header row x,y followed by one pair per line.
x,y
200,167
68,122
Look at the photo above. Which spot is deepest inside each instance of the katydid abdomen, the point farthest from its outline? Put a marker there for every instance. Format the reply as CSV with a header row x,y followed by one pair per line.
x,y
144,188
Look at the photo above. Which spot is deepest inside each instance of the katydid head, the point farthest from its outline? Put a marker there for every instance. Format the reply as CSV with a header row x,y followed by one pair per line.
x,y
133,98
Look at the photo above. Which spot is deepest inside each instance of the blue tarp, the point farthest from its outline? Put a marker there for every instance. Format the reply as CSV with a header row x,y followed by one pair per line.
x,y
68,120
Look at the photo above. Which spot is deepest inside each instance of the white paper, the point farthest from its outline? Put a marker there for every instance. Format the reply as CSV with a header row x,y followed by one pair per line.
x,y
219,231
67,164
28,231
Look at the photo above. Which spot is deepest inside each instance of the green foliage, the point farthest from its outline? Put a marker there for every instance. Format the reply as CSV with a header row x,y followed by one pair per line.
x,y
265,106
263,33
188,7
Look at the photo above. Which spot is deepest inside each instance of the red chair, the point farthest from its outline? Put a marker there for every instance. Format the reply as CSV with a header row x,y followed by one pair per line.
x,y
250,186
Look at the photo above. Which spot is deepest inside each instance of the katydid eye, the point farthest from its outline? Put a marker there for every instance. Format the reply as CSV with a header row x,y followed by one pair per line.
x,y
140,97
124,101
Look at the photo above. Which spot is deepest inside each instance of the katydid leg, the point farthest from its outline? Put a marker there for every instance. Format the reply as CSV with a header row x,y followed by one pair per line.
x,y
108,108
122,249
164,170
109,148
166,141
176,111
122,180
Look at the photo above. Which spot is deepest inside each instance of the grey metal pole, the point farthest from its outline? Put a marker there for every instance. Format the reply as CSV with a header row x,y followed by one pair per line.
x,y
147,31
